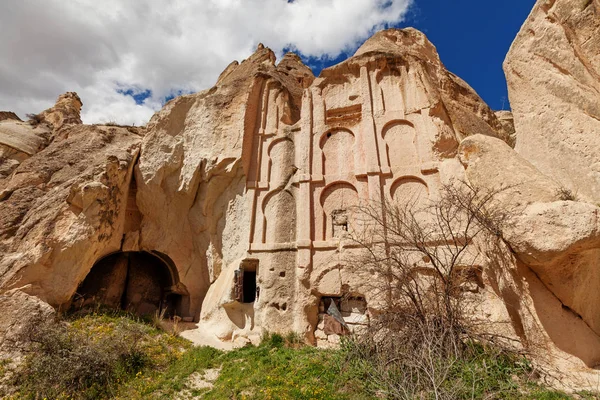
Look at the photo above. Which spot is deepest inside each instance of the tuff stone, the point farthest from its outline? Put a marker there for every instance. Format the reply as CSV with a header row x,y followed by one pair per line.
x,y
242,195
553,75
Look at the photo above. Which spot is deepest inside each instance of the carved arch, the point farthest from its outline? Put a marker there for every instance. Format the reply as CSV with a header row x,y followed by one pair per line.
x,y
400,140
138,281
281,154
337,149
389,81
279,210
337,202
409,190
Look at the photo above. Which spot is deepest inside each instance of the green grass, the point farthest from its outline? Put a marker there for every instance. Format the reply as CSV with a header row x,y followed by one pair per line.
x,y
277,369
158,365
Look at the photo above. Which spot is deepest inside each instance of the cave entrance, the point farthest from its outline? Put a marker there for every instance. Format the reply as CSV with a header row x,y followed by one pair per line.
x,y
139,282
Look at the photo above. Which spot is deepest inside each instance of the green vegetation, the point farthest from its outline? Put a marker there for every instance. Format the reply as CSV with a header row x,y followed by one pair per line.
x,y
480,373
277,369
91,356
115,355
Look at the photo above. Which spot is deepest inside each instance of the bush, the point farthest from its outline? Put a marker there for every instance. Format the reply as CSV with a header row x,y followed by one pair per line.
x,y
479,372
35,119
273,340
87,358
427,267
566,194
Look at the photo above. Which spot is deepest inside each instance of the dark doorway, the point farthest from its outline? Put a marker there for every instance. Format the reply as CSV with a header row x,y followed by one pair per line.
x,y
245,286
139,282
249,287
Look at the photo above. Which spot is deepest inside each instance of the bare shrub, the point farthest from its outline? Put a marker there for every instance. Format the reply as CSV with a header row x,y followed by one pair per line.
x,y
34,119
87,358
566,194
426,266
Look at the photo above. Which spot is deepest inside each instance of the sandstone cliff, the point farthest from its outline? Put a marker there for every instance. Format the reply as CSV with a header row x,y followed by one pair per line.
x,y
61,206
195,159
553,74
233,206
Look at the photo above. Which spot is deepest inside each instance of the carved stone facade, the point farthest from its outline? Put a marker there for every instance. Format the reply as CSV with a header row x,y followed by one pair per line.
x,y
375,128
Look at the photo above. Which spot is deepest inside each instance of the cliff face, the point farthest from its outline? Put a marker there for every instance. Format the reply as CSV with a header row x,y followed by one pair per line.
x,y
194,165
61,201
553,74
233,206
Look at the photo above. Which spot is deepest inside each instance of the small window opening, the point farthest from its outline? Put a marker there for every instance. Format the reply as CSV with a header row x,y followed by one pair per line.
x,y
246,288
339,219
249,287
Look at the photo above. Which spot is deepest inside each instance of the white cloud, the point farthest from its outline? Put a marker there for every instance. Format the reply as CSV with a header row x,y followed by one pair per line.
x,y
167,46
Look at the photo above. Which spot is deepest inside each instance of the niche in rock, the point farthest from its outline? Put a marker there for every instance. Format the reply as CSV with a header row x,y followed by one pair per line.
x,y
340,316
410,191
338,152
138,282
280,218
338,202
281,155
389,82
399,137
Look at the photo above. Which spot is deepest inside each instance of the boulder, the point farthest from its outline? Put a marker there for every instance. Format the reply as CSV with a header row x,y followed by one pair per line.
x,y
553,280
20,312
493,166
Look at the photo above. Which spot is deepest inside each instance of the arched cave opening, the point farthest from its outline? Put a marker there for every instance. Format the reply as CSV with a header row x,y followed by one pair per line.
x,y
140,282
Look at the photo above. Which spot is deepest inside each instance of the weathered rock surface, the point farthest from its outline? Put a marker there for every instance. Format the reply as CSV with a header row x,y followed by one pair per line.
x,y
195,158
553,285
63,206
507,120
66,111
430,85
20,140
20,312
492,164
4,115
553,74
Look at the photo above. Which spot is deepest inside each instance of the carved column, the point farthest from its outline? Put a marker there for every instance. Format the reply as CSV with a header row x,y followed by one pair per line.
x,y
303,143
304,208
368,136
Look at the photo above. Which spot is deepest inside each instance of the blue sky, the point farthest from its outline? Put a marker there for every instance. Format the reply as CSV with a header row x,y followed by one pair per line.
x,y
471,36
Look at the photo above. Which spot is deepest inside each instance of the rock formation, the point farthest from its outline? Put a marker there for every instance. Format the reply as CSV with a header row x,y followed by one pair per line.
x,y
62,204
233,207
553,74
